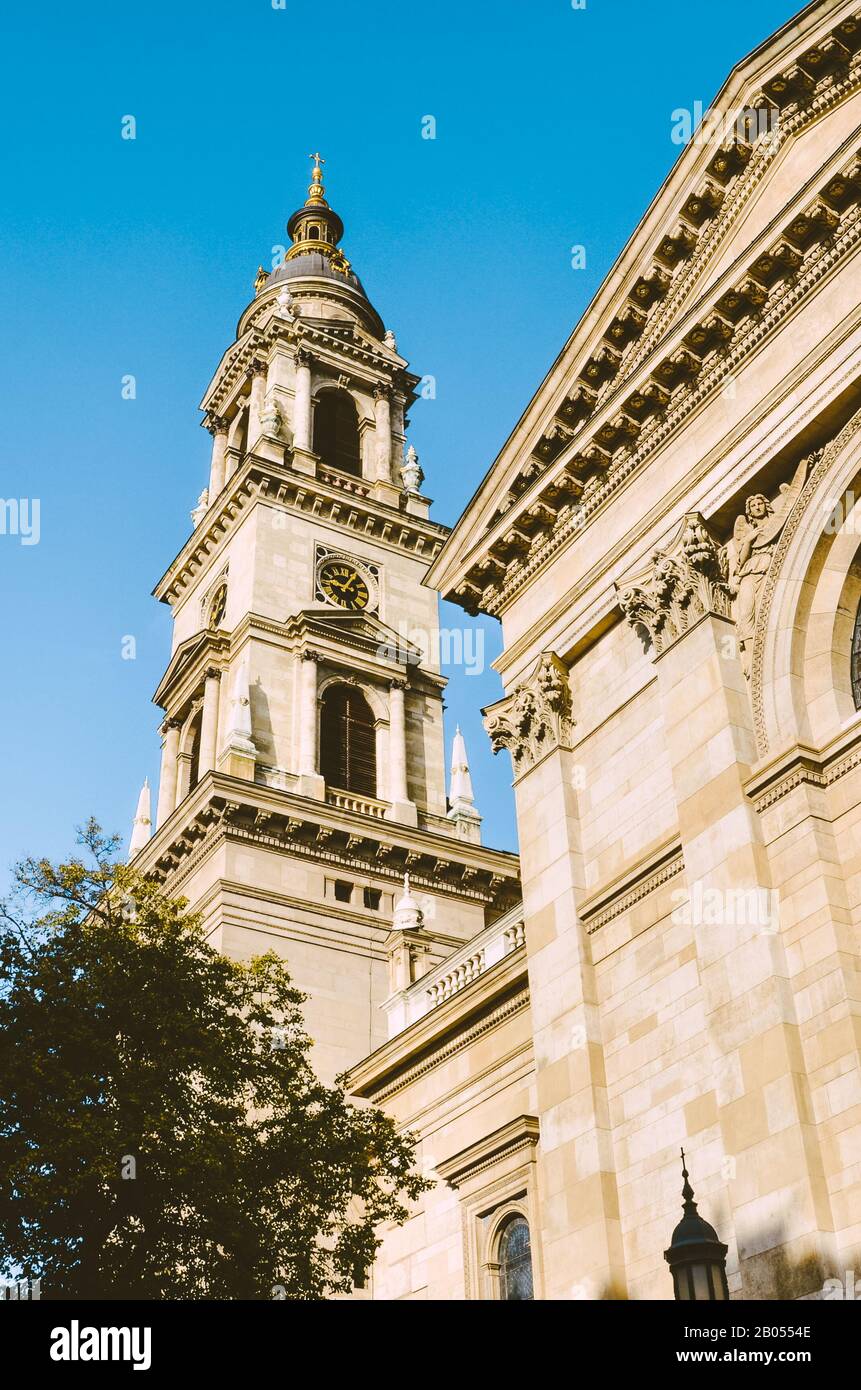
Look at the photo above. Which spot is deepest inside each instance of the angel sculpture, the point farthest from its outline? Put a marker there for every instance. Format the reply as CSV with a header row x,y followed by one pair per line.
x,y
749,554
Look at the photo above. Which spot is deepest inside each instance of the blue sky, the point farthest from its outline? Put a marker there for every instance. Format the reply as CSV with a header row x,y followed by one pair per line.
x,y
137,257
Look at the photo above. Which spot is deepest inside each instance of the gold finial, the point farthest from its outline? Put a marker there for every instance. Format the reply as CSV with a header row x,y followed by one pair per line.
x,y
315,188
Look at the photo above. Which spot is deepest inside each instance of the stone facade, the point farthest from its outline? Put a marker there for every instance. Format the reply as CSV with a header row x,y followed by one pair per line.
x,y
247,827
670,542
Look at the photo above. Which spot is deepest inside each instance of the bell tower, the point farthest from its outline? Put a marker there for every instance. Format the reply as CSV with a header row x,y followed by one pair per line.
x,y
303,768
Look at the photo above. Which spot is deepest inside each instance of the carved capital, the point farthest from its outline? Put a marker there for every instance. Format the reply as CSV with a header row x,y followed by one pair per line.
x,y
397,685
382,391
679,585
212,673
216,424
168,725
536,718
312,656
302,357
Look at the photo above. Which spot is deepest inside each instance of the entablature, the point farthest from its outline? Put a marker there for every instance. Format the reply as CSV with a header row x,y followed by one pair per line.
x,y
330,345
221,806
260,479
184,676
651,361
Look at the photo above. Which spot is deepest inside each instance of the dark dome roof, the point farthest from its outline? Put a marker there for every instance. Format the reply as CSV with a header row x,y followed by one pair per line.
x,y
317,266
693,1230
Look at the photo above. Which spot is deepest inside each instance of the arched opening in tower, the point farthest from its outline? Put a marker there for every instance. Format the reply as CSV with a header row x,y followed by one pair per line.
x,y
336,431
348,745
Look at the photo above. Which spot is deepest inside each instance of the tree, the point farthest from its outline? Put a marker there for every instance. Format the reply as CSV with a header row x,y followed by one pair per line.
x,y
162,1131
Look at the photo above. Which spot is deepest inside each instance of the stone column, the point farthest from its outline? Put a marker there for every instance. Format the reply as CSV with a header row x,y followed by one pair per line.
x,y
383,419
217,426
401,808
310,781
257,376
209,721
580,1226
384,490
302,403
169,770
772,1159
235,444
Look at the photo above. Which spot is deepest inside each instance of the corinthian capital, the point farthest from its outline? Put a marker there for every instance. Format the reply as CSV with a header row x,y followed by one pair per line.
x,y
536,718
679,585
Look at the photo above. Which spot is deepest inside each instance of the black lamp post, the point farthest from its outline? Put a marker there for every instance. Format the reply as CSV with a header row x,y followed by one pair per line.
x,y
696,1257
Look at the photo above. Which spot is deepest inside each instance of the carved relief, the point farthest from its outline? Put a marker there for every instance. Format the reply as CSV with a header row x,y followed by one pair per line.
x,y
679,585
751,550
536,718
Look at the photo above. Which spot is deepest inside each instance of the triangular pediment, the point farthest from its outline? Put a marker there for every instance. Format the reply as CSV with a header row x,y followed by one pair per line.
x,y
188,654
755,199
784,178
362,631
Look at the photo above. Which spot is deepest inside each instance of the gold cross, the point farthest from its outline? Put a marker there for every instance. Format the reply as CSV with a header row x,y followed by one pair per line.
x,y
318,159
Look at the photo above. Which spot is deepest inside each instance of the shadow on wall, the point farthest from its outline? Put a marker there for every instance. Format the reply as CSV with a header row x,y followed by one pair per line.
x,y
782,1274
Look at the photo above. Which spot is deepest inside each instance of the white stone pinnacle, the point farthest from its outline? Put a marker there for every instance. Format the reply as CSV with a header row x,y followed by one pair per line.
x,y
408,915
460,790
142,826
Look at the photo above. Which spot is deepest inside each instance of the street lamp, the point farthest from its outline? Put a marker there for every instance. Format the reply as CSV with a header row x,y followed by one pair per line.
x,y
696,1257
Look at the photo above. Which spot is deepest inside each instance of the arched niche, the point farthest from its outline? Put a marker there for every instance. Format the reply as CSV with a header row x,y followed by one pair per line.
x,y
801,677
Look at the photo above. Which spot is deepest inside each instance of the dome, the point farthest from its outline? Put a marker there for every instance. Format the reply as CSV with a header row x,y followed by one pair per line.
x,y
315,230
317,266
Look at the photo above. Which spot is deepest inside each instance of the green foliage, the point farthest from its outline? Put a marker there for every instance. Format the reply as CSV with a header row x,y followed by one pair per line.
x,y
129,1045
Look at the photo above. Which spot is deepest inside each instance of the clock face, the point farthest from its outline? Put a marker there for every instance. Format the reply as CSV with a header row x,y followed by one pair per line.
x,y
343,584
219,606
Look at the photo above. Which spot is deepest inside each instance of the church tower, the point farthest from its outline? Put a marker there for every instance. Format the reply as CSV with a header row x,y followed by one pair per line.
x,y
303,769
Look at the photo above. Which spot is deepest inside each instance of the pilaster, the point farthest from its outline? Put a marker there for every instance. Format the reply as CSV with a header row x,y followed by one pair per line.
x,y
772,1156
577,1182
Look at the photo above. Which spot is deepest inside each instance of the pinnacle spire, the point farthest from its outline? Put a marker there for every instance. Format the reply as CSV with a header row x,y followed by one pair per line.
x,y
142,826
460,789
687,1191
314,228
460,794
316,190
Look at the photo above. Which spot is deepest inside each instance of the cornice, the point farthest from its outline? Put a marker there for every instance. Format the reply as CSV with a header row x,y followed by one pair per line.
x,y
335,642
266,332
260,479
185,673
517,1135
567,626
805,766
301,827
443,1033
603,437
538,544
645,879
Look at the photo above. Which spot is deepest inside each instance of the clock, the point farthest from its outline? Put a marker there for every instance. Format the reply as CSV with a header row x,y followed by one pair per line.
x,y
344,585
218,606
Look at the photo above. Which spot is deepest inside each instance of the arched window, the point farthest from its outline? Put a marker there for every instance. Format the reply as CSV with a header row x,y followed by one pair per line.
x,y
515,1260
348,745
336,431
856,660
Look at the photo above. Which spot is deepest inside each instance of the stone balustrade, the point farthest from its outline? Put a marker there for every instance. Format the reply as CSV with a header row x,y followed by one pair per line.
x,y
459,970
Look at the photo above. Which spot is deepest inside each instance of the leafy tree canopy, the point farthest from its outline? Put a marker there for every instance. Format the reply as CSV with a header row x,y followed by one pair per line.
x,y
162,1131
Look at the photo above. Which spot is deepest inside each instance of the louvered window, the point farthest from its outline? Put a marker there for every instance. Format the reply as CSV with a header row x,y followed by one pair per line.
x,y
348,747
336,431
